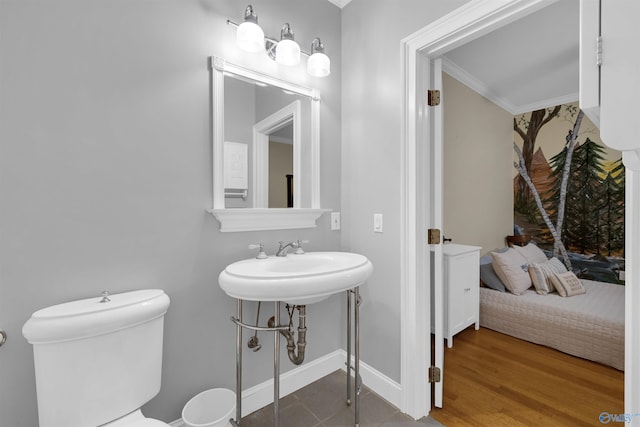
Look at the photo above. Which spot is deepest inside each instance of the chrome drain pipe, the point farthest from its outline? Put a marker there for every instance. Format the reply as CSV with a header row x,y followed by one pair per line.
x,y
296,357
253,342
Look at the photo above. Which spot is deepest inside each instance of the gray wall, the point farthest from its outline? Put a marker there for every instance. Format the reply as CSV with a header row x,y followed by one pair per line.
x,y
105,175
371,176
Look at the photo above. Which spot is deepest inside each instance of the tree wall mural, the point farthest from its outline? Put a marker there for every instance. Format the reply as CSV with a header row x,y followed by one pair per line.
x,y
571,203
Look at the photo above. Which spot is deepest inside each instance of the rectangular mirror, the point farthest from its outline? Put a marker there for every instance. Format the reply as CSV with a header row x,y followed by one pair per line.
x,y
266,135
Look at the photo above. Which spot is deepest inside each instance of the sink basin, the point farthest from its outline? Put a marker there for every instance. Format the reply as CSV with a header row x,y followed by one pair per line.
x,y
295,279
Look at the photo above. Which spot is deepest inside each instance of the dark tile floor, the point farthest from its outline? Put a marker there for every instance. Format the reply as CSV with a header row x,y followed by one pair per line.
x,y
322,404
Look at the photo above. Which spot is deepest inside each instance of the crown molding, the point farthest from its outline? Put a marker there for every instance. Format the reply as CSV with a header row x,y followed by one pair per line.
x,y
478,86
467,79
340,3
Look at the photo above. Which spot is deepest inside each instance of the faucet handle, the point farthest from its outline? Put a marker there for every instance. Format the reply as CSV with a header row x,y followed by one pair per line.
x,y
260,247
299,250
105,297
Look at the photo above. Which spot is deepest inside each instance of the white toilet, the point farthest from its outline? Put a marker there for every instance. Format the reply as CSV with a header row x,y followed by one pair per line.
x,y
98,360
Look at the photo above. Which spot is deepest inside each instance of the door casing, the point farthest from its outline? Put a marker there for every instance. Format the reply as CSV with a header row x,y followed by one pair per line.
x,y
464,24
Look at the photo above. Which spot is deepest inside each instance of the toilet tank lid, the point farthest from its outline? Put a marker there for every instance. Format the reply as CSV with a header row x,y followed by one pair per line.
x,y
90,317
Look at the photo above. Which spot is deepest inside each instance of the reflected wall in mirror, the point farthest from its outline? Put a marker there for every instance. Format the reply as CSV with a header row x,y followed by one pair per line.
x,y
266,136
278,140
273,124
281,167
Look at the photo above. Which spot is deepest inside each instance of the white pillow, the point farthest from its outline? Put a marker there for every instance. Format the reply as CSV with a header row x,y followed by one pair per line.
x,y
509,268
531,253
541,274
568,284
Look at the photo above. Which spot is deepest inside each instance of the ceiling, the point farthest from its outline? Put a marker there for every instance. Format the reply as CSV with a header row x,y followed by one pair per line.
x,y
529,64
526,65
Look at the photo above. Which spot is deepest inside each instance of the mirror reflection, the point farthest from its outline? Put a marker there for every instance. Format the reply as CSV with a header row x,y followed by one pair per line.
x,y
281,167
266,129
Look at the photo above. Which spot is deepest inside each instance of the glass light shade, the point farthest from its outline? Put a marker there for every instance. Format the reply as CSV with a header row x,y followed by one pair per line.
x,y
319,65
287,52
250,37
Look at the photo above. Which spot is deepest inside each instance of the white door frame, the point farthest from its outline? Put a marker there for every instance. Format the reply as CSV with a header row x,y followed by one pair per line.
x,y
472,20
291,113
464,24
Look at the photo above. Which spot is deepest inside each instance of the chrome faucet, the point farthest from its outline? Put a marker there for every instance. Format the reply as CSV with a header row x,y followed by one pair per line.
x,y
282,250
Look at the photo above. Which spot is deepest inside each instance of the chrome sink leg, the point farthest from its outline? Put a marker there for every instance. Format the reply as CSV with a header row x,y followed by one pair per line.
x,y
237,421
349,348
357,351
276,366
356,368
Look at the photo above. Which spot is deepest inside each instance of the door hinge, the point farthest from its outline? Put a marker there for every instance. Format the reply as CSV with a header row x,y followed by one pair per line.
x,y
433,97
433,236
434,374
599,51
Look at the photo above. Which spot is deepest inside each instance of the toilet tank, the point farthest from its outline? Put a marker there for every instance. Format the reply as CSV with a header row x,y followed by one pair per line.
x,y
97,361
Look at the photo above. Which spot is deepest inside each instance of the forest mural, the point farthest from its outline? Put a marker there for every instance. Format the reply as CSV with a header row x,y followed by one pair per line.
x,y
569,191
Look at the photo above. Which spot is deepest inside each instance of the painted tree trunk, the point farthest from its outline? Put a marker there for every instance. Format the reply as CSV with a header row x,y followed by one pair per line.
x,y
538,119
522,171
571,145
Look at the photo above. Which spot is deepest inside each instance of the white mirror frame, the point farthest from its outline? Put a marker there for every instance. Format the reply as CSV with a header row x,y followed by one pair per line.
x,y
262,218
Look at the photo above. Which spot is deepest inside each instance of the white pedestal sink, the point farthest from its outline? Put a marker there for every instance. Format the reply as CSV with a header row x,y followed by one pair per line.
x,y
295,279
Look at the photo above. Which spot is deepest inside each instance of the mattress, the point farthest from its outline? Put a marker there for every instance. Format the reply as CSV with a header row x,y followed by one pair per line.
x,y
590,325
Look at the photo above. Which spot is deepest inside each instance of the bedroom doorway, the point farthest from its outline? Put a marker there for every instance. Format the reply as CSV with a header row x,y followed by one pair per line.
x,y
419,51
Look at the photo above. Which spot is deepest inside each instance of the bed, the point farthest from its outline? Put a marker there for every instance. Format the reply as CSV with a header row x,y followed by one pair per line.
x,y
588,325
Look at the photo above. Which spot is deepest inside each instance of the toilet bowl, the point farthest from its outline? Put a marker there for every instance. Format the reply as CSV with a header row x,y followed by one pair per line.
x,y
98,360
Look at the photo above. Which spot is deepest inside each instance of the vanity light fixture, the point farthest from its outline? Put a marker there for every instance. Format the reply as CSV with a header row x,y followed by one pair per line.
x,y
250,38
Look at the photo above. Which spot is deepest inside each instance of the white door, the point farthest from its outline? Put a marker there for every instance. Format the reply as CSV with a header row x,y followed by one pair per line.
x,y
435,122
611,92
609,69
619,84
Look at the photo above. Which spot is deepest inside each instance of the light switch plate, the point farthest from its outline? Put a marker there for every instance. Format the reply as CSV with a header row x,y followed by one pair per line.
x,y
335,220
377,223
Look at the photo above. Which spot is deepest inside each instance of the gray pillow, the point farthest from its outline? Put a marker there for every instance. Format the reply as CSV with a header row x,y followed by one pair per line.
x,y
490,278
488,259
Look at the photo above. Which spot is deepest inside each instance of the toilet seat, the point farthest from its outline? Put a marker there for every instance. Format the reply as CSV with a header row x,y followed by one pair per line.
x,y
135,419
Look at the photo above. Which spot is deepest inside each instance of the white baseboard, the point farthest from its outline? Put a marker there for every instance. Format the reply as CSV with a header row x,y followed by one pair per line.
x,y
261,395
381,384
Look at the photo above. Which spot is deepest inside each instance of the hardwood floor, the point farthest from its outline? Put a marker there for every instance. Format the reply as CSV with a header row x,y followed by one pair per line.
x,y
493,379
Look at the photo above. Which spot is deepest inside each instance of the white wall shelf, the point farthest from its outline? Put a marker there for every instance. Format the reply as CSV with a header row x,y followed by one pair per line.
x,y
266,219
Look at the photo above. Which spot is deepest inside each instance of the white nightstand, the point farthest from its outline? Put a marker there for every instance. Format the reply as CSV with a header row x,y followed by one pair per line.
x,y
461,293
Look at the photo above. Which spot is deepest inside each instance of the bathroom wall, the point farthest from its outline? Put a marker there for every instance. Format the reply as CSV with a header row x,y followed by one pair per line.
x,y
478,168
105,175
371,175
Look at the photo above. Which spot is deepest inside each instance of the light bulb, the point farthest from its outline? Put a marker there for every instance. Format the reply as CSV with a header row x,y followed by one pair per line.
x,y
319,64
249,35
287,50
